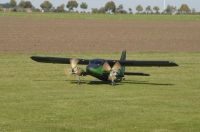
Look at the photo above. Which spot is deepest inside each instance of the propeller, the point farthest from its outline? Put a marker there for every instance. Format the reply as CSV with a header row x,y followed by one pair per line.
x,y
117,66
73,63
106,67
113,71
74,70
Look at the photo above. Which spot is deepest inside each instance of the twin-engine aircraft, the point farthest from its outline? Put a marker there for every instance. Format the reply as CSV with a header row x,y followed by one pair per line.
x,y
106,70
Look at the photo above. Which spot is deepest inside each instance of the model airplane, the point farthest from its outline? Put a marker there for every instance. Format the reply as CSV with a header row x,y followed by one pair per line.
x,y
105,70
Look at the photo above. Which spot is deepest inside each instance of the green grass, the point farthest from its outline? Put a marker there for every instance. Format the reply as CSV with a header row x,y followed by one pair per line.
x,y
105,16
39,97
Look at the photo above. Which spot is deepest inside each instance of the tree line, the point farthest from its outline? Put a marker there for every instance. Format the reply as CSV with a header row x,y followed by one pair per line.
x,y
46,6
170,9
109,7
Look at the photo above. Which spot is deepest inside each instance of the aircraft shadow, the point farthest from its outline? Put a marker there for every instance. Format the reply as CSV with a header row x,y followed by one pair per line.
x,y
98,82
92,82
122,83
147,83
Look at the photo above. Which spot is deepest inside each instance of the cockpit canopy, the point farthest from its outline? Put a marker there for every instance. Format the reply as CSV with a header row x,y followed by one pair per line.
x,y
97,62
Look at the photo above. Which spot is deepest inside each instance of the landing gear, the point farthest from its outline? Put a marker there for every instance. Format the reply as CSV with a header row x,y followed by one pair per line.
x,y
78,80
112,77
113,83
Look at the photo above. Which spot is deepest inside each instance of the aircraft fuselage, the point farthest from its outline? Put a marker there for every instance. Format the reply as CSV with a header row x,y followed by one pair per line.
x,y
95,69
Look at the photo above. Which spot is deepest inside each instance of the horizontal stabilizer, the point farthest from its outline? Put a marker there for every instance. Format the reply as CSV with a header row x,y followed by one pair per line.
x,y
136,74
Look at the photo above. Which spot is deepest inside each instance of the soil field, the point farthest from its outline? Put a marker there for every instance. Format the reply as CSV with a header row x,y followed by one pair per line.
x,y
59,35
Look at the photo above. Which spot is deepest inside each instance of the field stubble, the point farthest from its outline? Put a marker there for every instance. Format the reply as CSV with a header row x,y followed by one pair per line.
x,y
26,34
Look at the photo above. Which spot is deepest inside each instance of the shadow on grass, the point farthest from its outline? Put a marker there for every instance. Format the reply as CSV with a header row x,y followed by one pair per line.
x,y
121,83
94,82
97,82
147,83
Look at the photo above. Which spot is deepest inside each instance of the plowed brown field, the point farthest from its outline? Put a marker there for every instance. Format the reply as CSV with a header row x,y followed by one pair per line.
x,y
48,35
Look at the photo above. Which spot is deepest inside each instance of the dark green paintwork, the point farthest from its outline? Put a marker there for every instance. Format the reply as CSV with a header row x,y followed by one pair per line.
x,y
101,74
98,72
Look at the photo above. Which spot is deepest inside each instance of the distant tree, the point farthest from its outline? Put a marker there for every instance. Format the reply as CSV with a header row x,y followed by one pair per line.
x,y
130,10
110,6
72,4
170,9
102,10
84,5
21,4
46,5
5,5
13,3
53,9
120,9
139,8
1,7
94,10
28,4
184,9
25,4
148,9
156,9
61,8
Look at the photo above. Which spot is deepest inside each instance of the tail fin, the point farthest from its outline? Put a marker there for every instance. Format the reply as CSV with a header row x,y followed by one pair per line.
x,y
123,57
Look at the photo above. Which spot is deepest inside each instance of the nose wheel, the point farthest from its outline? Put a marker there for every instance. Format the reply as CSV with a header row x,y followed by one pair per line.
x,y
113,83
78,80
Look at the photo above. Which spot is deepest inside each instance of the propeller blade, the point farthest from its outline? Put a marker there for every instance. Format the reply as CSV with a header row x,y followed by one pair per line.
x,y
106,66
74,63
113,72
116,66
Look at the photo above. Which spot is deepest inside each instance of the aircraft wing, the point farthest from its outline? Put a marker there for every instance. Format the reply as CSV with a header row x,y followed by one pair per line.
x,y
58,60
111,62
143,63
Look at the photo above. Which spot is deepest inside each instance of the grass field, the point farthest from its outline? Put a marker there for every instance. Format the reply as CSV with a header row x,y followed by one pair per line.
x,y
105,16
39,97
